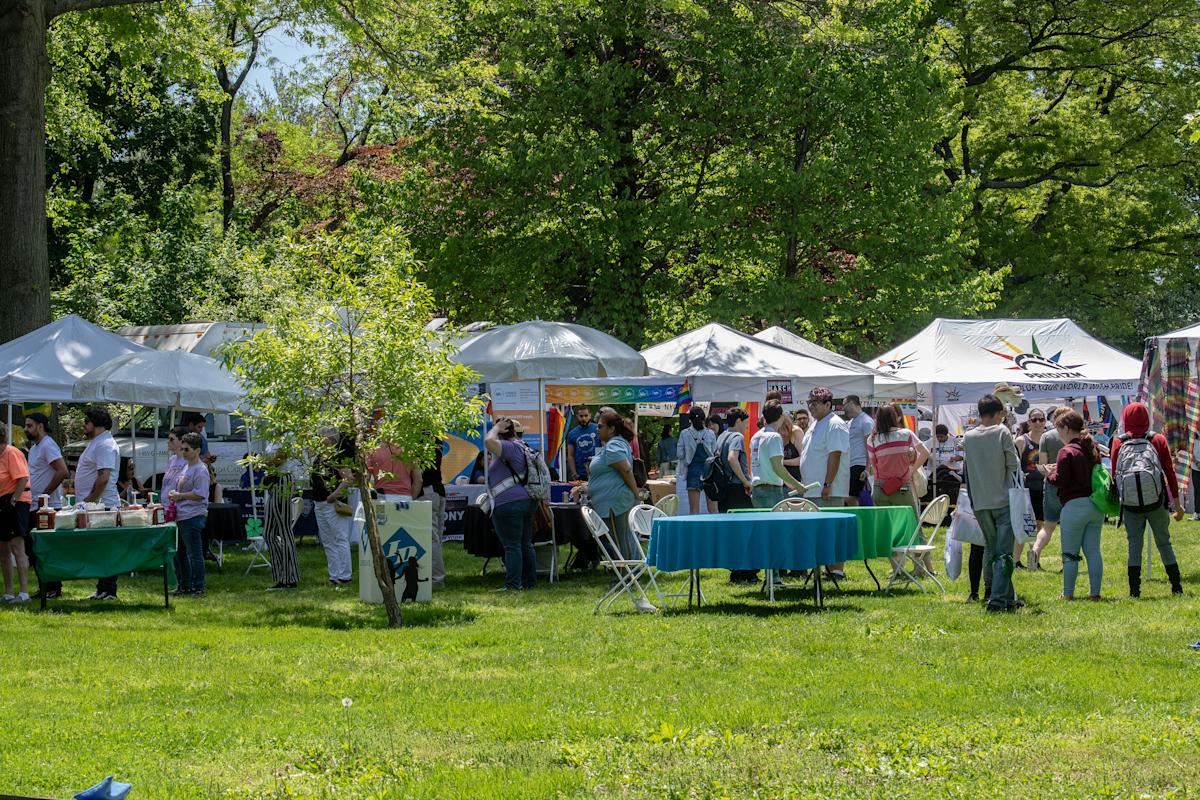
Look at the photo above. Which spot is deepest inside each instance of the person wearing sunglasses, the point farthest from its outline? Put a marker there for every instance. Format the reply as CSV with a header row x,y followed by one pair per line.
x,y
1029,451
190,496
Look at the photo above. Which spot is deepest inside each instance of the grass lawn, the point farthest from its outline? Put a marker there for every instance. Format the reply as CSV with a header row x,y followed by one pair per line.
x,y
485,694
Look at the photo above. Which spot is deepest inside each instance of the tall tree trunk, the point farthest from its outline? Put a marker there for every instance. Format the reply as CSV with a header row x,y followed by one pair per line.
x,y
24,262
383,572
227,188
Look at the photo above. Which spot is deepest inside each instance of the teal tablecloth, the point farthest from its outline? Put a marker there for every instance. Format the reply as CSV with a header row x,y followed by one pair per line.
x,y
880,528
752,541
67,555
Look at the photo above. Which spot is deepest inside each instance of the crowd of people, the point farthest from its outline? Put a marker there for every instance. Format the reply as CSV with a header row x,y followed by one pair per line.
x,y
833,459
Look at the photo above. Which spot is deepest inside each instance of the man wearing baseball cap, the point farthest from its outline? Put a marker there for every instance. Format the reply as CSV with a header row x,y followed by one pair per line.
x,y
47,471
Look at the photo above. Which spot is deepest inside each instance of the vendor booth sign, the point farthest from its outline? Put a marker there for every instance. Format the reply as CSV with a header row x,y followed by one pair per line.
x,y
784,388
406,537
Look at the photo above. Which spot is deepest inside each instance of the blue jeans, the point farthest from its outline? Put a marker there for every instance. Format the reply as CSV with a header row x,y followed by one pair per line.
x,y
1160,527
514,527
189,558
997,555
1080,523
768,496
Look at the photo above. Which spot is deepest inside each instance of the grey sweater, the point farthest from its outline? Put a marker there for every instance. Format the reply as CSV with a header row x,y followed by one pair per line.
x,y
991,457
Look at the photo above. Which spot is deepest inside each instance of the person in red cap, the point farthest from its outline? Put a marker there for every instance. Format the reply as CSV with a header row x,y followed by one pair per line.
x,y
1144,473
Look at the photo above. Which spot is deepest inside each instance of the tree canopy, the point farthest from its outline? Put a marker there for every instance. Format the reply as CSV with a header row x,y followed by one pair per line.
x,y
643,166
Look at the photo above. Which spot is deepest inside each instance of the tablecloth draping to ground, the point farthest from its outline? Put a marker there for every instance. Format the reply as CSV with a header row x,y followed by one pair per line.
x,y
68,555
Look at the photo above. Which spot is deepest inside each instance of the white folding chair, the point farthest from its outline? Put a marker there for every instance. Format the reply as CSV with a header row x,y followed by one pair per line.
x,y
257,546
916,552
796,504
641,519
669,505
627,571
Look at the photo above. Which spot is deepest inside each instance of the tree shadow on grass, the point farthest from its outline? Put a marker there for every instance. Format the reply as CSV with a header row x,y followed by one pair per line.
x,y
364,617
763,608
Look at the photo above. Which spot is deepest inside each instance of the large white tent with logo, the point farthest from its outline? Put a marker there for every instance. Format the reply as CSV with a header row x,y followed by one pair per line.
x,y
956,361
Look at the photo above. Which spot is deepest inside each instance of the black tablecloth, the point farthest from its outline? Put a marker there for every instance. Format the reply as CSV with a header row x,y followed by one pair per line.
x,y
225,523
479,536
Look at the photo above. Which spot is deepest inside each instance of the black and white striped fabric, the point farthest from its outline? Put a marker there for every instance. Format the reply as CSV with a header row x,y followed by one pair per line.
x,y
281,544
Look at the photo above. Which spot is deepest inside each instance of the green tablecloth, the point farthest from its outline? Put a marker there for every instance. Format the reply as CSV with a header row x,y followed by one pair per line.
x,y
880,528
100,552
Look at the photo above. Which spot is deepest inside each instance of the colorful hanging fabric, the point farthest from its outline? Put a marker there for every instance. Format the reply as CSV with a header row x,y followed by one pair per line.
x,y
1175,393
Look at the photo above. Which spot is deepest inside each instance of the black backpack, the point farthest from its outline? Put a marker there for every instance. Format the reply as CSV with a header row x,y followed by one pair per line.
x,y
717,475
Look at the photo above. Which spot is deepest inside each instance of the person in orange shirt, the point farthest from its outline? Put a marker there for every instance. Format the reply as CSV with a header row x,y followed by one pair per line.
x,y
14,518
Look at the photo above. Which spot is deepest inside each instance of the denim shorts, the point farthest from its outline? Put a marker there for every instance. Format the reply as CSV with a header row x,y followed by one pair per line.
x,y
1051,508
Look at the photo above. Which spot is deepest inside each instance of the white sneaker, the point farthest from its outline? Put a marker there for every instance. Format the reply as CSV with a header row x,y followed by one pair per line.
x,y
644,606
9,598
23,597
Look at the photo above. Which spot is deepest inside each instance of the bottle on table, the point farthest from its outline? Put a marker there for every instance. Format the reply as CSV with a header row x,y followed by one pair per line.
x,y
43,518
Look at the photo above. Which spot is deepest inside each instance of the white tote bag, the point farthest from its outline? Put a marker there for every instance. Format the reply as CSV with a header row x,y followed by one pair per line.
x,y
963,525
1020,510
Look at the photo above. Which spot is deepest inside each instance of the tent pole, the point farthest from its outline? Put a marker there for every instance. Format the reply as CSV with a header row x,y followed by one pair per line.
x,y
10,436
154,455
132,454
250,466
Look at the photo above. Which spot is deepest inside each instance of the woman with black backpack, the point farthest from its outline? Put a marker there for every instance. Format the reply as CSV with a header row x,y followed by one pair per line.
x,y
1137,473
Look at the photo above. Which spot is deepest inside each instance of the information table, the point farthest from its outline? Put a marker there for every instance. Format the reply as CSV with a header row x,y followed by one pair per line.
x,y
68,555
773,541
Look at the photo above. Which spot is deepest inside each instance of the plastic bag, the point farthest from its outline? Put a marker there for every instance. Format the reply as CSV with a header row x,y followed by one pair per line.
x,y
952,555
963,525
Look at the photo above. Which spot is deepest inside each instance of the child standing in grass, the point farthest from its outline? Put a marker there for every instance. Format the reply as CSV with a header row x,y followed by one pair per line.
x,y
991,457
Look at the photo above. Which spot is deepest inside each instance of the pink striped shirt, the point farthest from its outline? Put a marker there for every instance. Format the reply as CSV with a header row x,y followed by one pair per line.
x,y
892,456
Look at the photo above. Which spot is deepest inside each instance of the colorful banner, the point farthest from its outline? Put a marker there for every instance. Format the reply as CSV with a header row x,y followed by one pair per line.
x,y
683,402
597,394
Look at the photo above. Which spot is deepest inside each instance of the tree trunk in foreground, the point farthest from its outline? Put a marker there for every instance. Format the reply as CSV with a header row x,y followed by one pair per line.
x,y
24,263
383,573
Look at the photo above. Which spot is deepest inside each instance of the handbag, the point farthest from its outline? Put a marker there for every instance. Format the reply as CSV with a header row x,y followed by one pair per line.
x,y
1020,510
343,508
1104,491
543,523
920,483
963,525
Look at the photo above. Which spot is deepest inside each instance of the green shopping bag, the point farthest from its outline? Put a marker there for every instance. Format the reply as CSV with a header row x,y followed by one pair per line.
x,y
1104,491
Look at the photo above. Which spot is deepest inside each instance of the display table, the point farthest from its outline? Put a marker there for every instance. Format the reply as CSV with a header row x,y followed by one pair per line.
x,y
480,540
69,555
773,541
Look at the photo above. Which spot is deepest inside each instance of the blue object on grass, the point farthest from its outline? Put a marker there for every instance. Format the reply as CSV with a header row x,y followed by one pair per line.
x,y
107,789
1195,646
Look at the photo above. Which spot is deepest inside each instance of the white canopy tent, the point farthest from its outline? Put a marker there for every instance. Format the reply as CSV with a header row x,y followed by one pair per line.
x,y
887,387
174,379
43,365
540,350
163,379
954,362
723,364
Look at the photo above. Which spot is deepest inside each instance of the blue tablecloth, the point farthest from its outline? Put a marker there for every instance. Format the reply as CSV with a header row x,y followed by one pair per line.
x,y
752,541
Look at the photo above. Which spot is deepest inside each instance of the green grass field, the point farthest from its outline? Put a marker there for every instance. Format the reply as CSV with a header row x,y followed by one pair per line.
x,y
486,694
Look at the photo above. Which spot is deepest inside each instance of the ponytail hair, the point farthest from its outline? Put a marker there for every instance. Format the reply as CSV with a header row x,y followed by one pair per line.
x,y
1072,421
697,417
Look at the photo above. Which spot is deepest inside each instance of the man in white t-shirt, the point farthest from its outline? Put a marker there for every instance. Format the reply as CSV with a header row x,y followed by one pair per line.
x,y
767,473
96,478
47,469
825,460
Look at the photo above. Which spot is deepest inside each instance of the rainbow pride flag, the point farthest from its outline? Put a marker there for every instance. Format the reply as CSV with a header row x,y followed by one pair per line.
x,y
683,403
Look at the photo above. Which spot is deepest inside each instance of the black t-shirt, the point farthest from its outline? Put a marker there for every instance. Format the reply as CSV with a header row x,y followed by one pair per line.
x,y
325,477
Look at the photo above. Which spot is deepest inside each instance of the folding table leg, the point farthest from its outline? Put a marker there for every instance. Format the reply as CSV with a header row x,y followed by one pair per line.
x,y
817,588
867,564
